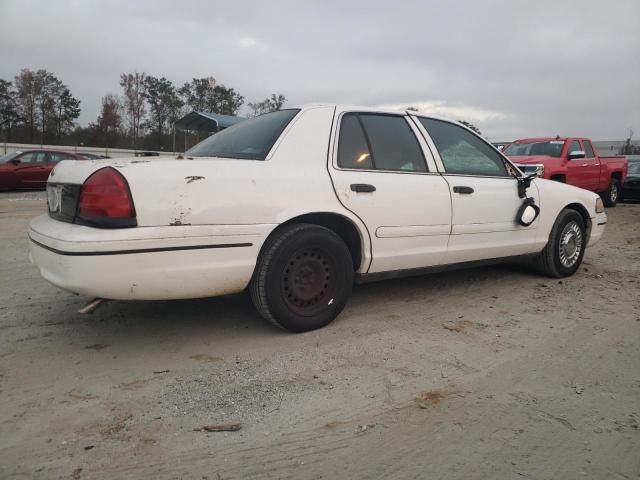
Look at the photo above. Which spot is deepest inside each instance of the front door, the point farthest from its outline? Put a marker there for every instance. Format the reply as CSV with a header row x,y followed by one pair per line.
x,y
32,171
383,172
578,168
484,195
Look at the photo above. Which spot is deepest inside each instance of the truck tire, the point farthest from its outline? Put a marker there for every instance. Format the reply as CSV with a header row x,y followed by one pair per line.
x,y
611,196
303,278
564,251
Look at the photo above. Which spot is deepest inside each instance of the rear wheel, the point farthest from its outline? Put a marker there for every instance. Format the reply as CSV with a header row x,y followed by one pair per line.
x,y
611,196
563,253
303,278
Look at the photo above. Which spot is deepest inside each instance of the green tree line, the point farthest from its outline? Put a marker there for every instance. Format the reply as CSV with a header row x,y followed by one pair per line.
x,y
37,107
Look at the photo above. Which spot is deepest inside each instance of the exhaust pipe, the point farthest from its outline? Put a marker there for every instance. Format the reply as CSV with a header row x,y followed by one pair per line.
x,y
92,305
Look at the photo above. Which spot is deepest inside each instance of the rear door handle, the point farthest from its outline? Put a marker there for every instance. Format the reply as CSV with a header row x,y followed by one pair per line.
x,y
463,190
362,187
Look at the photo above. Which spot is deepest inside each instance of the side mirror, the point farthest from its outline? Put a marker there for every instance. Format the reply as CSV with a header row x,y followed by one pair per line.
x,y
576,154
15,161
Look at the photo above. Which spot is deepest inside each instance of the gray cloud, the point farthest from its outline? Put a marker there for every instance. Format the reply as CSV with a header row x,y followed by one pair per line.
x,y
514,68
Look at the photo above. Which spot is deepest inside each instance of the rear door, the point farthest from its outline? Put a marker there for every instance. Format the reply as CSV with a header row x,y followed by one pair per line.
x,y
32,171
384,173
484,194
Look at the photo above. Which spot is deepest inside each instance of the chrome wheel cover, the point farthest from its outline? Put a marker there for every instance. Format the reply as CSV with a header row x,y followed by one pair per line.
x,y
613,195
570,245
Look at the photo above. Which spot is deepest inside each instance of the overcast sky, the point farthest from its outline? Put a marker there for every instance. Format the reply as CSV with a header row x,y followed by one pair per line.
x,y
514,68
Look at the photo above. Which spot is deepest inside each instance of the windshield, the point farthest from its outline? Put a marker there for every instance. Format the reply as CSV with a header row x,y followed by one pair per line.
x,y
634,167
552,148
9,156
249,139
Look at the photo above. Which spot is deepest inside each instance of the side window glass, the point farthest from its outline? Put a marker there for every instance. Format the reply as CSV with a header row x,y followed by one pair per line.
x,y
28,158
394,145
55,157
588,149
575,146
462,152
353,151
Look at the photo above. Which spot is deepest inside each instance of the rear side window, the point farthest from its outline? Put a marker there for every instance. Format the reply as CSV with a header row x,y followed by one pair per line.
x,y
250,139
588,149
381,142
463,152
56,157
353,149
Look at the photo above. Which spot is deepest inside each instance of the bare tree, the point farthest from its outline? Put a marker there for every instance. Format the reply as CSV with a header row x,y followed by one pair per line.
x,y
26,99
109,123
134,88
270,104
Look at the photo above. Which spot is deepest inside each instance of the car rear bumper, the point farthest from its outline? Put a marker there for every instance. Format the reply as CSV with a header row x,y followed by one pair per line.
x,y
146,263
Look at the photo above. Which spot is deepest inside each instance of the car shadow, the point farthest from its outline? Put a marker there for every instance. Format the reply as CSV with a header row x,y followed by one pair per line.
x,y
217,319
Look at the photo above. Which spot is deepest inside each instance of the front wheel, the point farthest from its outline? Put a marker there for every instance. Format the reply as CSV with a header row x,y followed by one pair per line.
x,y
611,196
303,278
563,253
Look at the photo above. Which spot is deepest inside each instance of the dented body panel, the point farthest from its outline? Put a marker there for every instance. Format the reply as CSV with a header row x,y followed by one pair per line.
x,y
201,222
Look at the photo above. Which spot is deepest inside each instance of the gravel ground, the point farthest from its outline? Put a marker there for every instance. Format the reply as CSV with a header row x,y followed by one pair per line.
x,y
485,373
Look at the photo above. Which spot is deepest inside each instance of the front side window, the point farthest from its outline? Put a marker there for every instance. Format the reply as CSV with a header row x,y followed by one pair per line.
x,y
33,157
462,152
574,147
588,149
250,139
381,142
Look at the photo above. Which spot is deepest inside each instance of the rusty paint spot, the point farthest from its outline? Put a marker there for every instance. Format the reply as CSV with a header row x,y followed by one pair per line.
x,y
97,346
193,178
458,326
203,357
334,424
428,398
80,396
117,425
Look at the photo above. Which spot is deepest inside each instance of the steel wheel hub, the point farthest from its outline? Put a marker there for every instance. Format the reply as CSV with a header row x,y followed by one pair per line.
x,y
308,281
570,244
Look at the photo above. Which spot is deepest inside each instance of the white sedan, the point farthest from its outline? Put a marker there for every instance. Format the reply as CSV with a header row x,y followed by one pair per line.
x,y
296,205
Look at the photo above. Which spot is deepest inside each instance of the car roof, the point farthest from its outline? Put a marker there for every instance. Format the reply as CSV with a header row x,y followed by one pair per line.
x,y
340,108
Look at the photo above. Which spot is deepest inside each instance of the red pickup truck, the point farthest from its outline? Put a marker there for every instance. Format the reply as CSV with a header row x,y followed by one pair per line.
x,y
572,161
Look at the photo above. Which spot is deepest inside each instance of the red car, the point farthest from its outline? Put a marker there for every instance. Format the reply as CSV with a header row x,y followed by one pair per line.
x,y
573,161
29,170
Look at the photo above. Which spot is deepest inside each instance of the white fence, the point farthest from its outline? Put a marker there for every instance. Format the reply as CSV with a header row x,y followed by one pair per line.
x,y
109,152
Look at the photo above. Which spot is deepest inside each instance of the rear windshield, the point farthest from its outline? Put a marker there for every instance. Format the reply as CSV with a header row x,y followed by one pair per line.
x,y
552,148
249,139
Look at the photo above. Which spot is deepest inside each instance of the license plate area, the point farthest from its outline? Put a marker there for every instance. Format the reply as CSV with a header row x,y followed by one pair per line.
x,y
62,201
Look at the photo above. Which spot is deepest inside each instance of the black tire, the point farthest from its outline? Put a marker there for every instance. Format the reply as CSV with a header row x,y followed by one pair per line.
x,y
612,195
557,259
303,278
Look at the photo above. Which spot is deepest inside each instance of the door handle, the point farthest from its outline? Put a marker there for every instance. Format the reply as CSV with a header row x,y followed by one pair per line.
x,y
362,187
463,190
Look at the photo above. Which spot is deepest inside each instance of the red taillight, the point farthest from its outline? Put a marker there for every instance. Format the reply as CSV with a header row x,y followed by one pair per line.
x,y
105,201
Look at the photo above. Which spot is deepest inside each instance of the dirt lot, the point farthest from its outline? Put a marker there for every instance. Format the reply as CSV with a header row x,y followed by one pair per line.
x,y
485,373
